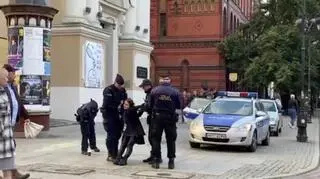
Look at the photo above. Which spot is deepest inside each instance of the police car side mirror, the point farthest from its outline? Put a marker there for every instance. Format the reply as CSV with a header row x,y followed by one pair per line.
x,y
260,113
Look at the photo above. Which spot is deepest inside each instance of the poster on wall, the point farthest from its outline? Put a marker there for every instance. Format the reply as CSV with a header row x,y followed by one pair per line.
x,y
15,47
31,89
45,90
33,51
46,45
93,59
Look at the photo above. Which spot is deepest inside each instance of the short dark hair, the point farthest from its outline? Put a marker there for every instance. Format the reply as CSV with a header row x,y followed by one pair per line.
x,y
130,101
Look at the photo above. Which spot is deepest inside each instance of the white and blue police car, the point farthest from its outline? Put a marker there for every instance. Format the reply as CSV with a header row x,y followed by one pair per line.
x,y
233,118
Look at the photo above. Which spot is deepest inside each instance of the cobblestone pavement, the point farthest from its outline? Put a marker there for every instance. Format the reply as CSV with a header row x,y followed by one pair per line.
x,y
58,156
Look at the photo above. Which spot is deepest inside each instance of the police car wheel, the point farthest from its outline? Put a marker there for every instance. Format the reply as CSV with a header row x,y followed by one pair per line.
x,y
266,141
194,145
276,133
253,146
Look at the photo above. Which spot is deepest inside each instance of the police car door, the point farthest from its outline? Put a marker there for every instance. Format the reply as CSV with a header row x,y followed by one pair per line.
x,y
259,121
266,121
196,106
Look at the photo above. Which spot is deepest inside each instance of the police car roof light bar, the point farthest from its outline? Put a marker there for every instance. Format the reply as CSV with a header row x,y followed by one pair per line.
x,y
238,94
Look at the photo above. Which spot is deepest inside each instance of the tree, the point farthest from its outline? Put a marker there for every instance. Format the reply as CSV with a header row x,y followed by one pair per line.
x,y
268,47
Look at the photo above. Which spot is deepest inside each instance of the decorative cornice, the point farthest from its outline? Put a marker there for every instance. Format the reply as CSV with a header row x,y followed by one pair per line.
x,y
81,29
135,44
190,44
109,5
27,9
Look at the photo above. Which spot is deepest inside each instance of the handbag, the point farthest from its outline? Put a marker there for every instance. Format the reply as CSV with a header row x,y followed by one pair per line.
x,y
32,130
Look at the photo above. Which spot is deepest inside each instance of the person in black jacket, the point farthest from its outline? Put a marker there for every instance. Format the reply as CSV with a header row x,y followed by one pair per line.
x,y
133,133
164,101
146,85
112,97
85,116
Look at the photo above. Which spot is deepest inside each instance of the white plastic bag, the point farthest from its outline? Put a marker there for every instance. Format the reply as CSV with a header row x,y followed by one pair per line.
x,y
32,130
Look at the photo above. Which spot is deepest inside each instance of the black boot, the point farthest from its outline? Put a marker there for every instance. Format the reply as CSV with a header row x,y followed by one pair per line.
x,y
123,161
117,161
86,153
156,163
171,163
151,161
148,160
96,149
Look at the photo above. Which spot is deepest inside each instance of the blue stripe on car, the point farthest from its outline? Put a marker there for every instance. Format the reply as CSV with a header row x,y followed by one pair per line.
x,y
191,115
220,120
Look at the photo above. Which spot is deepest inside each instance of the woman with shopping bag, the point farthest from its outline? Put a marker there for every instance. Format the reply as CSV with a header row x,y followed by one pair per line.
x,y
7,146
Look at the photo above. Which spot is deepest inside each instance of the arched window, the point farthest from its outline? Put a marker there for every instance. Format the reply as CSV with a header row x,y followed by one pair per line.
x,y
225,21
231,22
234,22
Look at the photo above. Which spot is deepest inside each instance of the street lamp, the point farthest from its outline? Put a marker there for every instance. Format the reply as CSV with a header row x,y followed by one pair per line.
x,y
303,116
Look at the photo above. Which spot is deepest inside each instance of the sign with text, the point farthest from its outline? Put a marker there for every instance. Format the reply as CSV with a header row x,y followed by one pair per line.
x,y
142,72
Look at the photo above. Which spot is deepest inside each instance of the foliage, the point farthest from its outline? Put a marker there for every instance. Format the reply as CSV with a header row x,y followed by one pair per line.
x,y
268,48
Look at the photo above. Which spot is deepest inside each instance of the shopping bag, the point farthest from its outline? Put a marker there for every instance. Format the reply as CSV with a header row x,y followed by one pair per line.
x,y
32,130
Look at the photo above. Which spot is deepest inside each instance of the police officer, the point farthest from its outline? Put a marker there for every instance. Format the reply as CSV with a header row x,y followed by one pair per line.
x,y
112,97
164,100
146,85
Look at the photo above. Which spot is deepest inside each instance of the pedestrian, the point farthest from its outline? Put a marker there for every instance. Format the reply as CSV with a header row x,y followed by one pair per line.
x,y
112,123
164,101
292,110
133,134
204,92
7,144
85,116
147,86
17,109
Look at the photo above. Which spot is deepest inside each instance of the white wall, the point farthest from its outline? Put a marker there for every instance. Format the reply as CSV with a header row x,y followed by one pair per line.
x,y
139,15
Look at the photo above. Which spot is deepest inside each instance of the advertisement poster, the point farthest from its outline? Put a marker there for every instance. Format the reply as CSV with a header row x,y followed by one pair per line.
x,y
33,51
46,90
15,47
31,89
93,64
47,68
46,45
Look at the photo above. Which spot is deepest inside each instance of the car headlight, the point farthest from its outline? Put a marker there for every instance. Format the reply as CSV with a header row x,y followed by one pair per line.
x,y
245,128
196,124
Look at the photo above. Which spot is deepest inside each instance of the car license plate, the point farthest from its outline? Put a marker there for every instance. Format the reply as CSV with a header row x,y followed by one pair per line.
x,y
216,136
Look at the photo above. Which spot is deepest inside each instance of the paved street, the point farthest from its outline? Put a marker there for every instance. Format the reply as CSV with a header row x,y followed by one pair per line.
x,y
59,152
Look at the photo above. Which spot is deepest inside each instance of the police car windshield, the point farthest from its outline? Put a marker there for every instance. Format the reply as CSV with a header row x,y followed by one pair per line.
x,y
198,103
242,108
269,106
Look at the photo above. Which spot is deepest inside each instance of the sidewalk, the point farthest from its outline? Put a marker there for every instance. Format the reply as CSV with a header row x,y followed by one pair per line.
x,y
57,156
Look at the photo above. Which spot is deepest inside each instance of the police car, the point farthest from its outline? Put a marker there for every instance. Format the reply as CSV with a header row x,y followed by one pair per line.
x,y
195,107
233,118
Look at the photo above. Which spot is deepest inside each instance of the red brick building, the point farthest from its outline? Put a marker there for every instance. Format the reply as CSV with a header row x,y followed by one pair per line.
x,y
185,35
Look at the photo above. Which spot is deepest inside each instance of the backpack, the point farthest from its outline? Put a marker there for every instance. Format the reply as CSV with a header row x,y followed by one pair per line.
x,y
87,111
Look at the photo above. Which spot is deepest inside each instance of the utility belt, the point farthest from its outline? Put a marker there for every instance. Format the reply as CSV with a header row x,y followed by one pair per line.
x,y
172,116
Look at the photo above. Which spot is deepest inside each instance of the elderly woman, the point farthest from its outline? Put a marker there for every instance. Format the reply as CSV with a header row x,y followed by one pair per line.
x,y
7,146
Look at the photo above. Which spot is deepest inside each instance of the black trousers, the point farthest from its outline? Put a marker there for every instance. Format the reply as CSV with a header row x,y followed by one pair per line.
x,y
126,145
166,123
88,136
149,133
114,131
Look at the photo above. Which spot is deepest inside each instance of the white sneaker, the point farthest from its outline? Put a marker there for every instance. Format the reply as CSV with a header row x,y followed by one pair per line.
x,y
290,125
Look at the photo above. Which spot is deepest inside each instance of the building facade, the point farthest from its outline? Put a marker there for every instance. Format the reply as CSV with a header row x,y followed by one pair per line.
x,y
92,41
185,35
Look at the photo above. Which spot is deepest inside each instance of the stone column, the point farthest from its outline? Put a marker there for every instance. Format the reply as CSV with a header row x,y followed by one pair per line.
x,y
75,11
29,36
92,16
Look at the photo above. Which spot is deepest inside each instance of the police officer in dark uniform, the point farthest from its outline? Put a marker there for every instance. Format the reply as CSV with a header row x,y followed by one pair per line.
x,y
164,100
146,85
112,97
